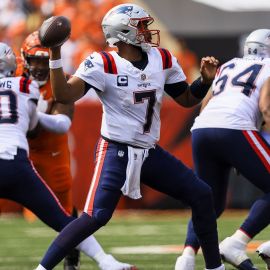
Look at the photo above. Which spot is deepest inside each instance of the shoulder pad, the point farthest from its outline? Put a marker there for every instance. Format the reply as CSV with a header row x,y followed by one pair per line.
x,y
92,61
29,87
166,58
108,63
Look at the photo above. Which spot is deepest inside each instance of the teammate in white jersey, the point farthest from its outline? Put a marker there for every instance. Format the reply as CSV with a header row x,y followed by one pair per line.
x,y
20,181
226,135
131,84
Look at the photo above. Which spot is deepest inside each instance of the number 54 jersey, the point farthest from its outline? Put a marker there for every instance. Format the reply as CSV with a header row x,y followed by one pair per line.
x,y
235,96
17,113
131,97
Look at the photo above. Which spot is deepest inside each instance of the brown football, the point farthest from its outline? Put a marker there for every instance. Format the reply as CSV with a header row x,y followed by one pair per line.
x,y
54,31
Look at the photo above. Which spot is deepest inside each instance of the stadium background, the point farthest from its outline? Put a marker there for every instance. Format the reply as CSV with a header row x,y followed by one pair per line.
x,y
188,28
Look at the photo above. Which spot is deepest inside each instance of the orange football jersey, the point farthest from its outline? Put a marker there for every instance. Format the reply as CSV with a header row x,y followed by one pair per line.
x,y
50,155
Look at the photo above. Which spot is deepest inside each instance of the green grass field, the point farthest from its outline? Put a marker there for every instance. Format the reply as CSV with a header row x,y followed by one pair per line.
x,y
150,240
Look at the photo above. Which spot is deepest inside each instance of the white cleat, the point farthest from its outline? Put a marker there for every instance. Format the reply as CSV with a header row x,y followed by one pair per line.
x,y
110,263
233,252
185,263
264,252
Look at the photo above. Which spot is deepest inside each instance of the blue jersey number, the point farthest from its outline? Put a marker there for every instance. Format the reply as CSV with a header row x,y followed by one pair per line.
x,y
8,107
150,96
244,79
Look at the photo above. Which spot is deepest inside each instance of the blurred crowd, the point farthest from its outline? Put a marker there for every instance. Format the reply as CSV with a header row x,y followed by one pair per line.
x,y
21,17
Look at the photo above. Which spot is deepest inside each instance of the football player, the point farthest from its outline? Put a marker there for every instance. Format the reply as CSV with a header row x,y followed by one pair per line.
x,y
20,181
131,84
226,135
49,150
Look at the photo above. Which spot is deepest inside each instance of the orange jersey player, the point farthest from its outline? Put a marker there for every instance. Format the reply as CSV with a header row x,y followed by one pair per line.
x,y
49,148
50,154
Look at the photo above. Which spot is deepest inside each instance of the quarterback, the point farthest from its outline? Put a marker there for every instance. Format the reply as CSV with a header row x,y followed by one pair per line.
x,y
131,84
49,150
20,182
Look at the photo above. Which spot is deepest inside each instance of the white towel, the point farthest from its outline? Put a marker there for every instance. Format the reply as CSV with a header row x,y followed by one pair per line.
x,y
8,152
131,187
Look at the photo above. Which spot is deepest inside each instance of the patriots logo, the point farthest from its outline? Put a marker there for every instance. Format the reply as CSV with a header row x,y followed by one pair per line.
x,y
87,64
123,10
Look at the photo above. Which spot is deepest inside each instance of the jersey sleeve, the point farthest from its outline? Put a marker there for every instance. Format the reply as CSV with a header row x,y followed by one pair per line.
x,y
29,88
175,74
91,71
34,92
32,115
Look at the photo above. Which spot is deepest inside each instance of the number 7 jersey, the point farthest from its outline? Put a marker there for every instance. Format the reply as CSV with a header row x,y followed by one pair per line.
x,y
235,96
131,97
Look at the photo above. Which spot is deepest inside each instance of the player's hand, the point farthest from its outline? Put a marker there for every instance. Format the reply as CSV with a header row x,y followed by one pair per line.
x,y
208,69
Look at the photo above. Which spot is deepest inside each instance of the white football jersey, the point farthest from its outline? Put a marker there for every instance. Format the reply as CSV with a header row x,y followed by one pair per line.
x,y
16,112
131,97
236,91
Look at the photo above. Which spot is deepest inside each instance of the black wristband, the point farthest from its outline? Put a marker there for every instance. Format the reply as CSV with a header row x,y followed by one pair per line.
x,y
199,89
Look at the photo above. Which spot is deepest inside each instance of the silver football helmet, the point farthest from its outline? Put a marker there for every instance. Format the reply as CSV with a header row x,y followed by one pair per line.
x,y
129,23
257,44
8,63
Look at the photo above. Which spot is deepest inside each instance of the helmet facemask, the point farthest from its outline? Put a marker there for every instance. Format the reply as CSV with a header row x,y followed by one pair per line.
x,y
145,36
36,59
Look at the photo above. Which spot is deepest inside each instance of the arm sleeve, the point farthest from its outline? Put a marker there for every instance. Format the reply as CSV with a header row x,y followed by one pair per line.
x,y
176,89
58,123
33,96
32,110
42,104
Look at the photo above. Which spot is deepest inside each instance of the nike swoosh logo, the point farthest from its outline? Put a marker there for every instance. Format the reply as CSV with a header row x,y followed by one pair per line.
x,y
56,153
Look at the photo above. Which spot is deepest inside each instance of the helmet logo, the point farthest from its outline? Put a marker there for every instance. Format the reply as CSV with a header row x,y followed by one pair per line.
x,y
123,10
8,51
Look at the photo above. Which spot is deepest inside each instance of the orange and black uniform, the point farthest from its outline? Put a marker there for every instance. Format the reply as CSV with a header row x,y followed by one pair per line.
x,y
50,155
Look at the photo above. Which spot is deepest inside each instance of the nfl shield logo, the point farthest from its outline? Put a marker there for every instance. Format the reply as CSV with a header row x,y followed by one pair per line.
x,y
121,153
143,77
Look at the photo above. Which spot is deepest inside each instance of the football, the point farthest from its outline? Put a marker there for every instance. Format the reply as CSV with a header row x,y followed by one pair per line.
x,y
54,31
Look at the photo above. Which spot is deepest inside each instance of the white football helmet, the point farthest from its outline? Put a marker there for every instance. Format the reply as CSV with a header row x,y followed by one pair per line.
x,y
129,23
8,63
257,44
